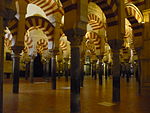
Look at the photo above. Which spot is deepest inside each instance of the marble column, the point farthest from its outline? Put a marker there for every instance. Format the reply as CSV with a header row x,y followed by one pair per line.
x,y
59,68
44,69
47,70
100,70
7,12
75,36
1,62
106,70
94,69
66,68
31,77
115,46
138,77
49,73
16,67
53,68
82,71
75,28
27,71
21,6
75,79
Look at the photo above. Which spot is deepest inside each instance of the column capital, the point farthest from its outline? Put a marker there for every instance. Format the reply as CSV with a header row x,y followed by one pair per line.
x,y
115,44
100,57
17,49
75,36
54,52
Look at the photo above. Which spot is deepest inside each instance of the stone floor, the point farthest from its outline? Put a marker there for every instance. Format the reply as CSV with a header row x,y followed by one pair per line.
x,y
39,98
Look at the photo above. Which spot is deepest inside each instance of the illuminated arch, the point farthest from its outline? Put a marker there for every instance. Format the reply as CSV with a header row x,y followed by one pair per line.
x,y
49,6
95,22
135,17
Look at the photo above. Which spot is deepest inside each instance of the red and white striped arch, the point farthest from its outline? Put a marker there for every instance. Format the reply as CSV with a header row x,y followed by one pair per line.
x,y
63,45
109,7
49,6
42,23
135,17
132,10
25,50
94,38
42,45
33,22
136,2
95,22
28,41
12,26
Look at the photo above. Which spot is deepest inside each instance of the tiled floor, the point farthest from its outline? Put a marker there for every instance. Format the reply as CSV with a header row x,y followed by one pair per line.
x,y
39,98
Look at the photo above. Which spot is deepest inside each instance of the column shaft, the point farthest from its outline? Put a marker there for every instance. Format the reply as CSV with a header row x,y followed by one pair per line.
x,y
59,69
75,80
31,70
116,76
82,73
106,71
1,62
94,70
53,71
27,71
47,70
100,73
139,76
16,60
66,69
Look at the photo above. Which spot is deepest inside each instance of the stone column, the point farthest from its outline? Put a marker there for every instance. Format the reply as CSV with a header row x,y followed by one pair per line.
x,y
7,12
53,68
138,76
106,70
59,68
1,61
49,73
47,70
66,68
27,71
82,71
94,69
16,67
75,36
75,28
100,70
44,69
115,46
22,8
75,78
31,73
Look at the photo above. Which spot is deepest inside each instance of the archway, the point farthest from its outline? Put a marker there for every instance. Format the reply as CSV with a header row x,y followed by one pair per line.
x,y
49,6
135,17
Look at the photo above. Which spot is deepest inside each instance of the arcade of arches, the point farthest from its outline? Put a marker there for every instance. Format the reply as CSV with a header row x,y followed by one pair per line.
x,y
78,40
